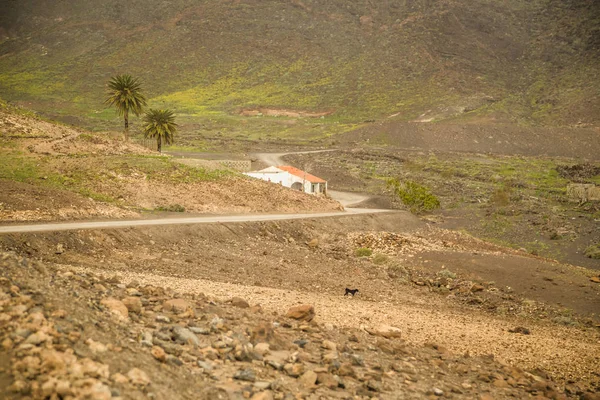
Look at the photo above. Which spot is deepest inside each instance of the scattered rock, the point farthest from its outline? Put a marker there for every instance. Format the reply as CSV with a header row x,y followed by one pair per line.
x,y
294,370
138,377
177,306
385,331
308,379
521,330
245,375
239,302
158,353
185,336
262,348
133,304
303,313
116,307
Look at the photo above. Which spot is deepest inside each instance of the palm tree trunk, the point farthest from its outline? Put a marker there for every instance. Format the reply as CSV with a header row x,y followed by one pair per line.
x,y
159,144
126,115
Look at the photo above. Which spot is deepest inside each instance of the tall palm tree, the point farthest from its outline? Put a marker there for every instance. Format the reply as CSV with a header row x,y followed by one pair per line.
x,y
159,124
125,94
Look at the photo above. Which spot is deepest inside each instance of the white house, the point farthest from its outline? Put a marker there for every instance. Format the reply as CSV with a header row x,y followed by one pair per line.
x,y
292,177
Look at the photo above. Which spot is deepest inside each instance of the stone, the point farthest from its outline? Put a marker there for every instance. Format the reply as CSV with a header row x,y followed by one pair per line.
x,y
328,344
239,302
520,329
205,365
200,331
438,392
477,288
158,353
262,385
386,331
36,338
163,319
60,248
96,347
314,243
119,378
116,307
346,370
185,336
262,348
262,333
304,312
247,375
294,370
308,379
133,304
326,379
374,386
177,306
500,383
138,377
266,395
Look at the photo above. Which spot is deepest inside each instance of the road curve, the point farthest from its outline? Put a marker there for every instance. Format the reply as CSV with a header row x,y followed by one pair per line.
x,y
66,226
346,199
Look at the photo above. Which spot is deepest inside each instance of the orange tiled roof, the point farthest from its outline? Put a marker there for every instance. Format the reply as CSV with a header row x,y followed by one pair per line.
x,y
301,174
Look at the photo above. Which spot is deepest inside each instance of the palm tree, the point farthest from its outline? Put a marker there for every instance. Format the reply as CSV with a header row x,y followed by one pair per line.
x,y
159,124
125,94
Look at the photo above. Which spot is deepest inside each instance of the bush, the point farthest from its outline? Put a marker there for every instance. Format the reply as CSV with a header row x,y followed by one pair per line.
x,y
171,208
417,197
363,252
380,258
593,251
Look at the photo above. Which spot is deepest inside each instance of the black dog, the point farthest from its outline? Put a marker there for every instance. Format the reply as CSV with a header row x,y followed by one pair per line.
x,y
351,291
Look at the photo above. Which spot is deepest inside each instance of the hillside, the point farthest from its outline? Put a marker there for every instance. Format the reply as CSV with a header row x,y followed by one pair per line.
x,y
56,172
219,63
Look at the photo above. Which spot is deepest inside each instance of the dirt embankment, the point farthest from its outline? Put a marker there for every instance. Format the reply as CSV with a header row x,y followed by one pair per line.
x,y
280,264
54,172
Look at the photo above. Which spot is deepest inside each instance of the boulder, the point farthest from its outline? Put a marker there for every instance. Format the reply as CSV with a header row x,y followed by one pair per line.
x,y
239,302
116,307
386,331
133,304
304,312
177,306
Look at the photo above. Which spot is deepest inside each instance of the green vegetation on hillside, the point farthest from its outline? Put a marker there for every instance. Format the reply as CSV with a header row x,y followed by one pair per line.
x,y
531,62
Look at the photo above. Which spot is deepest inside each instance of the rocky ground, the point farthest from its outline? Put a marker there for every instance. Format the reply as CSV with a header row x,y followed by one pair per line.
x,y
67,334
280,265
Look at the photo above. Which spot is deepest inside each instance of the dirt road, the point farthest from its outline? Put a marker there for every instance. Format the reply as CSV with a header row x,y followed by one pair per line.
x,y
176,221
346,199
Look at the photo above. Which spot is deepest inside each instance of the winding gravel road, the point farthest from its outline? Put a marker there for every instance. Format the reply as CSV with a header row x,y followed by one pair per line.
x,y
346,199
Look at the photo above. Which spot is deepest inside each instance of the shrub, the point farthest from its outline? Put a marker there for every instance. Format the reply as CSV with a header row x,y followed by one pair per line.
x,y
363,252
171,208
593,251
447,274
415,196
380,258
501,197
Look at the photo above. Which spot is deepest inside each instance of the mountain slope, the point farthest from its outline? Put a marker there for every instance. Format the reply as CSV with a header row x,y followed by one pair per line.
x,y
533,62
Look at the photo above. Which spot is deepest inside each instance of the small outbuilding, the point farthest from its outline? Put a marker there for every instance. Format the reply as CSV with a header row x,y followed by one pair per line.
x,y
293,178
